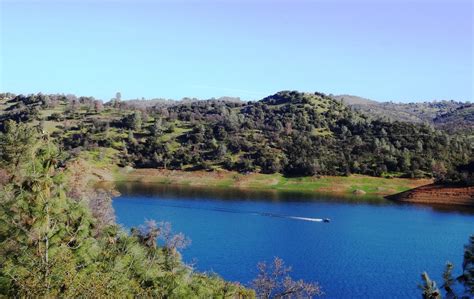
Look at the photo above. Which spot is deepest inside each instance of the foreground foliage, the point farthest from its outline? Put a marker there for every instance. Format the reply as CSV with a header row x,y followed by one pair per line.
x,y
50,245
273,281
58,237
461,286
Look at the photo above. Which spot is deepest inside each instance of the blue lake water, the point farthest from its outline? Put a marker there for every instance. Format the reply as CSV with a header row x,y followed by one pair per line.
x,y
370,249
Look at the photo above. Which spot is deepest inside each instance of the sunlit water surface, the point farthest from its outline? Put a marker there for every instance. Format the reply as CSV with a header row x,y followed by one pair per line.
x,y
370,249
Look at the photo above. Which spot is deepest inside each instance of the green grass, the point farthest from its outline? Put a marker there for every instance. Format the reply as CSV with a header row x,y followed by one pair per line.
x,y
48,112
372,186
101,157
321,132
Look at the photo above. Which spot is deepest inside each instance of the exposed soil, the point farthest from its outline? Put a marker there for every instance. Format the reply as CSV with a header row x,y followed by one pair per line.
x,y
437,194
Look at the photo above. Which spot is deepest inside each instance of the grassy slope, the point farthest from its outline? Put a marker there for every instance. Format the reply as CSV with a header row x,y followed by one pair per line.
x,y
374,187
103,160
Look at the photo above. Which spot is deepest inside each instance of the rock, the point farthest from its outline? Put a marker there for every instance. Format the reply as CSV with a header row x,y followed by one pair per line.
x,y
359,192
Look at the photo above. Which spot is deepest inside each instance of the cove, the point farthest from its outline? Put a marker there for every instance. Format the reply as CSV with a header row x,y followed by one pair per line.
x,y
370,249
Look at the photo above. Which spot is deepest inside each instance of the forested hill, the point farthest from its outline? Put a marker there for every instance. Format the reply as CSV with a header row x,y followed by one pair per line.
x,y
461,118
289,132
441,114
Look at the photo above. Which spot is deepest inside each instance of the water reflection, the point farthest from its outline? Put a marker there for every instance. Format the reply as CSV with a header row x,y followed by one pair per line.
x,y
199,193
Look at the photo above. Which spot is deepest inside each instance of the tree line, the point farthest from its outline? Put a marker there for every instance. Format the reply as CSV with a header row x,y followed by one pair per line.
x,y
293,133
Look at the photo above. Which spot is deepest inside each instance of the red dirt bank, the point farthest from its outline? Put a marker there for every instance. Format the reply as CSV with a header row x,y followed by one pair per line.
x,y
437,194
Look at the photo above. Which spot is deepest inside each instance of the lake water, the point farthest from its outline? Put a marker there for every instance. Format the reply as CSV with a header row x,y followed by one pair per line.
x,y
370,249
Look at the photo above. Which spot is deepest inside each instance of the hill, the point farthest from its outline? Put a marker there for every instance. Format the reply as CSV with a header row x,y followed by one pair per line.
x,y
293,133
461,118
426,112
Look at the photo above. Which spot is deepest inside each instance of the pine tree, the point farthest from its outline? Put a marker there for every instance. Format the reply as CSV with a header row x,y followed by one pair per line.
x,y
466,279
17,145
43,236
430,290
449,280
467,276
50,245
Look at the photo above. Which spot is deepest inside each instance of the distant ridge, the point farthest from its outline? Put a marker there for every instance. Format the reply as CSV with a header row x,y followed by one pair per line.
x,y
450,115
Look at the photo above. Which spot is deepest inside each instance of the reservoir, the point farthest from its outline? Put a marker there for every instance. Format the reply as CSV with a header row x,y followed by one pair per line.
x,y
369,249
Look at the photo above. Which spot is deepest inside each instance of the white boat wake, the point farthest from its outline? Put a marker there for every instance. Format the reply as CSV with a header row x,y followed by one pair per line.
x,y
306,219
265,214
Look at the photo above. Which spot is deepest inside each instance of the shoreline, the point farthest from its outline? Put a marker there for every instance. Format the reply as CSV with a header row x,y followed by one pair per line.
x,y
437,194
354,186
416,191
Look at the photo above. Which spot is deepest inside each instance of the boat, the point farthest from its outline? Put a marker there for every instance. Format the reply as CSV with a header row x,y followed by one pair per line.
x,y
326,220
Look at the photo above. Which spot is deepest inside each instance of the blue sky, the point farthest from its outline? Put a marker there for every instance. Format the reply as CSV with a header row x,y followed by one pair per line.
x,y
386,50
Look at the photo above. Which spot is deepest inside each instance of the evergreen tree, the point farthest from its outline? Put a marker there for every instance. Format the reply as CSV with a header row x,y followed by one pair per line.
x,y
430,290
44,237
17,145
49,245
466,279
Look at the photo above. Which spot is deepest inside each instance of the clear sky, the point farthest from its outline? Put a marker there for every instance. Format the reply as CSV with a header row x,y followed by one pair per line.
x,y
405,50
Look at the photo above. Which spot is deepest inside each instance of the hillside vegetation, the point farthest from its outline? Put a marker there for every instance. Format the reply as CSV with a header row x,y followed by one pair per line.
x,y
452,116
293,133
58,237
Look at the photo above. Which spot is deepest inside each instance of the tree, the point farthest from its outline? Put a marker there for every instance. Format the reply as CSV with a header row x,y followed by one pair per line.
x,y
449,281
419,146
49,245
466,279
306,134
273,281
117,100
17,145
430,290
157,129
98,106
439,171
47,239
136,121
221,151
133,121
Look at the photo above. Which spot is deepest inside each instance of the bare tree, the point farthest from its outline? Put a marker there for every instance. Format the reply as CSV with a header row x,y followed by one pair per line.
x,y
151,232
148,233
273,281
100,203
